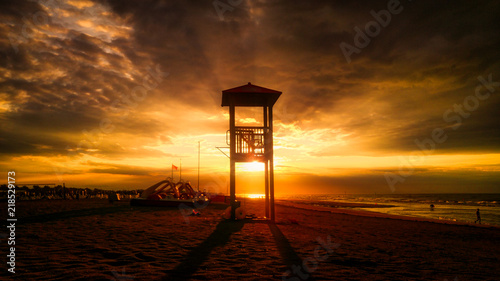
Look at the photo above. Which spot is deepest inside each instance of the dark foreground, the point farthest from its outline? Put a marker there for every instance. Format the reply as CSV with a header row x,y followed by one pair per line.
x,y
94,240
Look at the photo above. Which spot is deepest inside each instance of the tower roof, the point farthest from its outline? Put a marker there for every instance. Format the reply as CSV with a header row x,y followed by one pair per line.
x,y
250,95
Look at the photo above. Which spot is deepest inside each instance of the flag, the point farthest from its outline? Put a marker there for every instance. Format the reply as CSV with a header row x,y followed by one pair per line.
x,y
174,167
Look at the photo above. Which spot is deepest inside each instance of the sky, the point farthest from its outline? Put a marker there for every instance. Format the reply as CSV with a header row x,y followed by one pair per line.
x,y
378,96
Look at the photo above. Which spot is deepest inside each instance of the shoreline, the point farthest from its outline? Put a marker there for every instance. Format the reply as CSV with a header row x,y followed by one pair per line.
x,y
344,208
49,206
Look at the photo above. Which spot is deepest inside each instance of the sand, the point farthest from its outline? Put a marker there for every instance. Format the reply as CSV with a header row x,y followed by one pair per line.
x,y
94,240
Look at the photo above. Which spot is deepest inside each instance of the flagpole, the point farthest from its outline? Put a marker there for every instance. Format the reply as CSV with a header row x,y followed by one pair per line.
x,y
198,166
180,169
172,169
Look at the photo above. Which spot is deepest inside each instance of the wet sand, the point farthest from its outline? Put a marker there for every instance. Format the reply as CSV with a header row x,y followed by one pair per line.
x,y
94,240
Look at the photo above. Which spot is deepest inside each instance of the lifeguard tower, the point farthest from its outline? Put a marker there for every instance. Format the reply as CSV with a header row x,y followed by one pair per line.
x,y
251,144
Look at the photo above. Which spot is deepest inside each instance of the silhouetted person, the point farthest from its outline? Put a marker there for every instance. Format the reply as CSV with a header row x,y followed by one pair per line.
x,y
478,215
432,207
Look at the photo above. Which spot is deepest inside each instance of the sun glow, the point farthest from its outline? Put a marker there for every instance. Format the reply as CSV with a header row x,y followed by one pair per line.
x,y
251,167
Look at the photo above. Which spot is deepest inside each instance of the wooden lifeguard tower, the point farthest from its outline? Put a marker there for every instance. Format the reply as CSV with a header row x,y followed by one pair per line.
x,y
251,144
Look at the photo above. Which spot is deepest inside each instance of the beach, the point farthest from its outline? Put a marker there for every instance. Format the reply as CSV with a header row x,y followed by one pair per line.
x,y
95,240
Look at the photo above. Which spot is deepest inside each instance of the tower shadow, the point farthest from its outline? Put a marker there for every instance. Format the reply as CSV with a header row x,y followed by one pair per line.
x,y
288,254
220,237
200,253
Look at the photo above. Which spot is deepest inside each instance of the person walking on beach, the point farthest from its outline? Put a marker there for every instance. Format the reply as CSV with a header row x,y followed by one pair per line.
x,y
478,215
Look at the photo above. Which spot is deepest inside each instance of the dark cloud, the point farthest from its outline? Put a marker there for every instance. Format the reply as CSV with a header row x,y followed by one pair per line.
x,y
458,181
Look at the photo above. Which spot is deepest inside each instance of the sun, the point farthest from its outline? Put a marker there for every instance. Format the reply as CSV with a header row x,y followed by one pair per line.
x,y
251,167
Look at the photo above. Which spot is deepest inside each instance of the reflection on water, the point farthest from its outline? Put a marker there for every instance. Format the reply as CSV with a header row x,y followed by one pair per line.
x,y
453,207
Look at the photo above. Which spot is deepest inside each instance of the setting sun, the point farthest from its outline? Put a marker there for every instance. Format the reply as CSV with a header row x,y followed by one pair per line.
x,y
251,167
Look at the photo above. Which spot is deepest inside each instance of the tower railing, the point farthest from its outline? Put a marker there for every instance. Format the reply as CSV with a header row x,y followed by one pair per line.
x,y
249,140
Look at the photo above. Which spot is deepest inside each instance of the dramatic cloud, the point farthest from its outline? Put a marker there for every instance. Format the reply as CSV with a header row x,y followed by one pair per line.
x,y
134,85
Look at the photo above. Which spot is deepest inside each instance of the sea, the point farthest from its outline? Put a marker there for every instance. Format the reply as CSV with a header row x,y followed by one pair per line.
x,y
449,207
